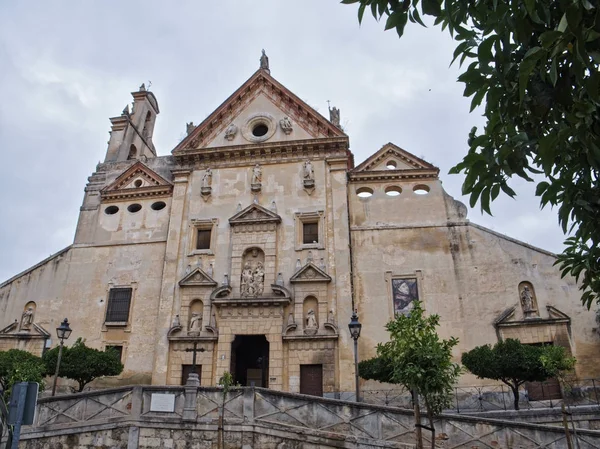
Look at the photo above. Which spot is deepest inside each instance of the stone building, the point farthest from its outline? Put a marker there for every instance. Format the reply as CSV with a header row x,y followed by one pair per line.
x,y
254,240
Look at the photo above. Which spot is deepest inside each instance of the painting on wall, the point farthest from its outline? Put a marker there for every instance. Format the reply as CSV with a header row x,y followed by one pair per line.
x,y
404,293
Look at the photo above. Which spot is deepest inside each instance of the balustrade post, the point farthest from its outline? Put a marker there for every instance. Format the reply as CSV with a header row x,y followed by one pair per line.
x,y
191,395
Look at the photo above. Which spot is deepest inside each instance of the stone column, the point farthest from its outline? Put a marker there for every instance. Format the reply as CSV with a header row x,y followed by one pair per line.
x,y
177,227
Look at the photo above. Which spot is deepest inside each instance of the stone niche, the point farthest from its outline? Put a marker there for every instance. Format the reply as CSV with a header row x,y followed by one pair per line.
x,y
254,249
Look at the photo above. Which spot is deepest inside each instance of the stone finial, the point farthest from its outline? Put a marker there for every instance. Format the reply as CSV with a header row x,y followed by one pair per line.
x,y
264,62
143,87
189,127
125,110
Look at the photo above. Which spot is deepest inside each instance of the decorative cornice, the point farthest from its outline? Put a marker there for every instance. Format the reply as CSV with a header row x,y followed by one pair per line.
x,y
393,175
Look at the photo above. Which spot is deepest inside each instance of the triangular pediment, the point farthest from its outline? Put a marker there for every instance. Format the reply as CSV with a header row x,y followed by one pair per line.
x,y
310,273
255,213
32,331
197,278
510,317
137,180
390,158
260,98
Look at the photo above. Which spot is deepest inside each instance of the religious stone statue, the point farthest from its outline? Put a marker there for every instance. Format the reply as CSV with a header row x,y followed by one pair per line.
x,y
196,322
207,178
256,174
264,61
259,279
247,280
27,318
311,320
286,125
308,173
334,116
230,132
189,127
527,300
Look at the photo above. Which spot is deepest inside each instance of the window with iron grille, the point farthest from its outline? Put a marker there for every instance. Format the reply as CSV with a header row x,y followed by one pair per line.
x,y
310,233
203,239
119,300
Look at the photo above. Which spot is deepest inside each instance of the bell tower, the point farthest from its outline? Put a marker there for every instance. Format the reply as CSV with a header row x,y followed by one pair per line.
x,y
131,132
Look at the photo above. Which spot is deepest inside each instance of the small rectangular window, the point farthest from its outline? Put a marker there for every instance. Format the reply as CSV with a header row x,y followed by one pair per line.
x,y
203,239
118,349
119,300
310,233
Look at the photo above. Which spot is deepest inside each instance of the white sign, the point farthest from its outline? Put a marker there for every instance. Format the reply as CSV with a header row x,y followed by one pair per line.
x,y
162,402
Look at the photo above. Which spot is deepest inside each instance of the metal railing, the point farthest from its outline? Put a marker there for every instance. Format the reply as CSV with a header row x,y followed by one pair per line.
x,y
470,399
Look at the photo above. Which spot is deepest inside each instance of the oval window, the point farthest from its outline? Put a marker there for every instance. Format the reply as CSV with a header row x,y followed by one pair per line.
x,y
260,130
421,189
138,183
159,205
391,165
393,191
364,192
111,210
133,208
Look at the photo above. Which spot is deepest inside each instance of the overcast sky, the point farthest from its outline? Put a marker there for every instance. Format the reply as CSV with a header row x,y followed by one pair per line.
x,y
66,67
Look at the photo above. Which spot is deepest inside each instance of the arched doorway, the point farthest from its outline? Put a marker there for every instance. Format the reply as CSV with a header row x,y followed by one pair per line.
x,y
250,360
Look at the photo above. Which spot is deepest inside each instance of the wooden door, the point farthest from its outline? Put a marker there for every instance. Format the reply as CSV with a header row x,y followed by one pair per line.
x,y
311,380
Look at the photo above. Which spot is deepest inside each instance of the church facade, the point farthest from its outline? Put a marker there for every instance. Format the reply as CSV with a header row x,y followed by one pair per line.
x,y
249,246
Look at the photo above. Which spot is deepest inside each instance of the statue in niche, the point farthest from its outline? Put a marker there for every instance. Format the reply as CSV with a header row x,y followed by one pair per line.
x,y
256,174
311,320
27,318
308,171
528,302
207,178
259,278
196,322
286,125
230,132
247,281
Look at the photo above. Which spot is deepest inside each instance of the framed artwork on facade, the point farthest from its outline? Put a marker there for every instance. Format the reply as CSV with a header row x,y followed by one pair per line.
x,y
404,292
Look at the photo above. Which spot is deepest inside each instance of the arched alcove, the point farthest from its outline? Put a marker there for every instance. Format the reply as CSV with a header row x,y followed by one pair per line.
x,y
132,152
252,280
195,316
528,300
310,315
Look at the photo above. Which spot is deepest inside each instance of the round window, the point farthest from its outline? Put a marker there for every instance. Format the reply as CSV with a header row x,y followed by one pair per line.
x,y
138,183
133,208
364,192
421,189
393,191
159,205
111,210
391,165
260,130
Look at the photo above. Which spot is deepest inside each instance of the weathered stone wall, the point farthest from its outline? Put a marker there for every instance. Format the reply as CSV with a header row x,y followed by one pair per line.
x,y
260,418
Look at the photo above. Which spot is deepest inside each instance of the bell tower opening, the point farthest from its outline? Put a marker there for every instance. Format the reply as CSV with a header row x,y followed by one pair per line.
x,y
250,360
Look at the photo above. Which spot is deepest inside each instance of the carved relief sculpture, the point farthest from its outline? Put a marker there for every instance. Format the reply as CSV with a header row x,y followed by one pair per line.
x,y
247,281
259,279
255,183
311,323
230,132
206,187
528,301
195,324
308,171
286,125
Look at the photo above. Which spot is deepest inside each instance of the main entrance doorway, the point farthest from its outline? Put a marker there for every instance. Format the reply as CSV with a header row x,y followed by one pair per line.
x,y
250,360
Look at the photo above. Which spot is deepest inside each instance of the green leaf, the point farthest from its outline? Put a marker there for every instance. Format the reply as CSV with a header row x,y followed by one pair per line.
x,y
431,7
562,26
527,65
393,20
548,38
478,98
361,12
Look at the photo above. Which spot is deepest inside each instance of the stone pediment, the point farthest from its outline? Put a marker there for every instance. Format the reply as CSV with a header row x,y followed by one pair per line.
x,y
254,214
509,318
137,181
310,273
392,161
197,278
33,331
261,93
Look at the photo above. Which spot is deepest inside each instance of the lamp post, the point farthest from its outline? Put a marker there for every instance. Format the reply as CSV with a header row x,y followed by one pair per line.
x,y
354,326
63,332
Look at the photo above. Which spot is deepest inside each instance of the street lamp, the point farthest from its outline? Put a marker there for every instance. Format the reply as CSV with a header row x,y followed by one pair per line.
x,y
354,326
63,332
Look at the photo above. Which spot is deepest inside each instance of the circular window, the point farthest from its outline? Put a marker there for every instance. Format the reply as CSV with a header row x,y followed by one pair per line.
x,y
138,183
260,130
421,189
133,208
259,127
159,205
391,165
364,192
393,191
111,210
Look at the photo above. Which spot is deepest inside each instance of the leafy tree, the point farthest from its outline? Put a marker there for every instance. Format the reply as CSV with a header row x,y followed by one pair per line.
x,y
84,364
534,64
418,359
514,363
19,366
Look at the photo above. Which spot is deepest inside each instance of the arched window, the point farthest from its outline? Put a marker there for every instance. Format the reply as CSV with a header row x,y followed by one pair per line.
x,y
132,152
